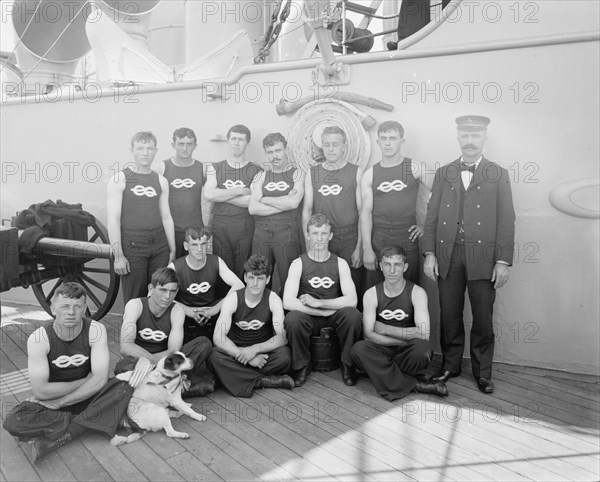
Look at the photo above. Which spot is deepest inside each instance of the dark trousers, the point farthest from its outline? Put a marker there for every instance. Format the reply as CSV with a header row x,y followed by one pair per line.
x,y
100,413
280,244
192,330
299,327
232,240
452,300
393,369
387,234
343,245
179,239
239,379
146,250
198,350
414,15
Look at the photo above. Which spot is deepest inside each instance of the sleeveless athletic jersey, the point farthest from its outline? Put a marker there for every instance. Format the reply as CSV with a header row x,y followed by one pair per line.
x,y
69,360
250,326
197,287
334,193
277,184
229,177
140,205
397,311
152,333
320,280
395,191
185,192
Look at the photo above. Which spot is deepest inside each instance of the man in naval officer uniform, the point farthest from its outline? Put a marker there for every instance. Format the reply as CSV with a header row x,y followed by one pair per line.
x,y
469,243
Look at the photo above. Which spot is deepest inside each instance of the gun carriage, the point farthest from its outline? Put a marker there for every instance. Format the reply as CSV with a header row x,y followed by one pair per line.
x,y
66,252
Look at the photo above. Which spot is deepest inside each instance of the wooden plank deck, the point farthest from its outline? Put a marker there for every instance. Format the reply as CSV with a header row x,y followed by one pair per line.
x,y
538,425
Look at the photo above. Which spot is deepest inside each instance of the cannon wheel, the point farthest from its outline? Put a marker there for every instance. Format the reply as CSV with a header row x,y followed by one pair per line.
x,y
96,275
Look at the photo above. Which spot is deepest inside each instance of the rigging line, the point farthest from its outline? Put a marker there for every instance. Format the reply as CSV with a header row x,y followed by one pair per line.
x,y
53,43
21,36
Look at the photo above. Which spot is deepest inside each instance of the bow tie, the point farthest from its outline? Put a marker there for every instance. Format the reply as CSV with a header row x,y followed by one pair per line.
x,y
465,167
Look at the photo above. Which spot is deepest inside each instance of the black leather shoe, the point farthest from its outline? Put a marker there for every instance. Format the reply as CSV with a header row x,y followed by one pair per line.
x,y
348,374
302,375
445,375
39,447
485,385
282,381
392,45
200,389
432,387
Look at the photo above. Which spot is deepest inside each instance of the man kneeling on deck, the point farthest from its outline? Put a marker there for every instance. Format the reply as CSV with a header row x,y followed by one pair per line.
x,y
396,330
68,364
153,327
250,345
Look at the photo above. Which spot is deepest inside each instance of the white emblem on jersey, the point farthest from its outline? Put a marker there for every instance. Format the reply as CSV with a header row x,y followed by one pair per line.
x,y
396,185
332,190
250,325
196,288
179,183
149,334
65,361
277,186
317,282
393,315
229,184
140,190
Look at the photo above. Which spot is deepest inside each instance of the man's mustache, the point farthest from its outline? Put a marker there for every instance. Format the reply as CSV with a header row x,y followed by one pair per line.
x,y
470,146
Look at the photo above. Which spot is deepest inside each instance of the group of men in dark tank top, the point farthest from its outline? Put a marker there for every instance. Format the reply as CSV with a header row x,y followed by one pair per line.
x,y
292,253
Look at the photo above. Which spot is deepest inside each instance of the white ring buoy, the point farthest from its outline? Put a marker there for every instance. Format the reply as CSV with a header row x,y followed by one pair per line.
x,y
562,198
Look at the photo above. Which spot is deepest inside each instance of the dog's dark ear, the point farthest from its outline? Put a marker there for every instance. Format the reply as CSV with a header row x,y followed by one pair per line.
x,y
173,361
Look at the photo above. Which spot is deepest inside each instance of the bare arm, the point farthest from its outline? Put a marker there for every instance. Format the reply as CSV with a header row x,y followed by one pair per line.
x,y
114,196
369,320
292,199
38,348
223,325
290,294
132,312
165,215
348,297
308,202
255,205
216,194
366,220
357,253
421,329
65,394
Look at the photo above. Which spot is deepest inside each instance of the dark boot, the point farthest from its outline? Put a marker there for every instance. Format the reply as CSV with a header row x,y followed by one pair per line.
x,y
199,389
39,447
281,381
432,387
302,375
348,374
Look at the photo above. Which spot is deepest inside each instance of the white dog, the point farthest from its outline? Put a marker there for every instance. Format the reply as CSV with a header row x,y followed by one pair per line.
x,y
159,390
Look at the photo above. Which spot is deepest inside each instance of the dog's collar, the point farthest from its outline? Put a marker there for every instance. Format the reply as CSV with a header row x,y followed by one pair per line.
x,y
165,378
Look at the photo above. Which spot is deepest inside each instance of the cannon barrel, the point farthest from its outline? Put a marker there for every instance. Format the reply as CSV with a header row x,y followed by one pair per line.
x,y
72,249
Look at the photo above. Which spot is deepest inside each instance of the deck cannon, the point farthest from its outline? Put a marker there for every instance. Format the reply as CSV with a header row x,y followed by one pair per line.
x,y
66,252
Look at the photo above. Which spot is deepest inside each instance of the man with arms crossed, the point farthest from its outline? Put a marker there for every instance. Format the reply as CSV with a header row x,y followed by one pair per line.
x,y
469,244
396,328
276,195
228,186
68,365
250,346
140,226
319,293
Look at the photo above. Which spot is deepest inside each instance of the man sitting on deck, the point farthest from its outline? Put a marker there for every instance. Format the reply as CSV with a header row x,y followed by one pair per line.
x,y
396,330
250,345
68,364
198,274
153,327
